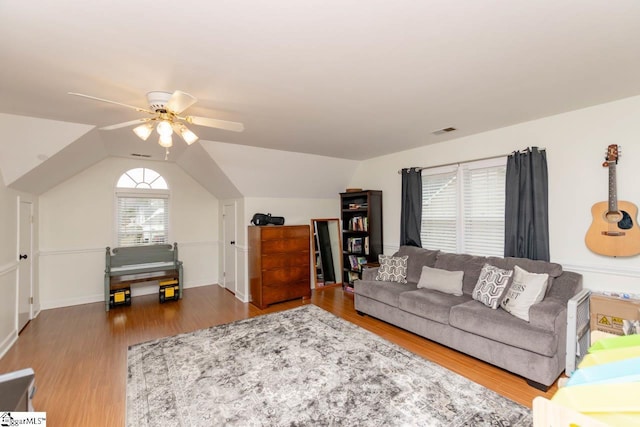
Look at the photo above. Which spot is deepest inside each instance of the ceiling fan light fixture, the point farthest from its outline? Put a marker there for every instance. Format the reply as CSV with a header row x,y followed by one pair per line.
x,y
188,136
143,131
165,141
164,128
165,109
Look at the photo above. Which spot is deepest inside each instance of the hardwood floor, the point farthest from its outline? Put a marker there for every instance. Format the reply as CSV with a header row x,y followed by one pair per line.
x,y
79,353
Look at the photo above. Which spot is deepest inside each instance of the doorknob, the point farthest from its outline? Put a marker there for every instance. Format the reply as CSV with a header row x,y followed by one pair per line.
x,y
233,242
23,256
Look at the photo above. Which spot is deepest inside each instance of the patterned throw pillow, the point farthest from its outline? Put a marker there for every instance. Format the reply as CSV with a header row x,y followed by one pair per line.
x,y
491,285
392,269
527,289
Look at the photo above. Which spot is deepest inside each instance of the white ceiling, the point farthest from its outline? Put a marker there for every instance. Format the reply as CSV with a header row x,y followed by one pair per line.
x,y
351,79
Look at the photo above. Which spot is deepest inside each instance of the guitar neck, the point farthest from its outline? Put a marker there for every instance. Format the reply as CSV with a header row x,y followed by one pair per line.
x,y
613,193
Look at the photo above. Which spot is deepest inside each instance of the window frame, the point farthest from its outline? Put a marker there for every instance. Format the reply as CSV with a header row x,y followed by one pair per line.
x,y
147,193
460,169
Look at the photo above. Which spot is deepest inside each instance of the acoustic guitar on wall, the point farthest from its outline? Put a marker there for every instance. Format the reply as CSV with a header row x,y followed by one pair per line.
x,y
614,229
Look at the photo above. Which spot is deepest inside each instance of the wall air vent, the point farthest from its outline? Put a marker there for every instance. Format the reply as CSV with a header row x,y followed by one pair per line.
x,y
146,156
443,131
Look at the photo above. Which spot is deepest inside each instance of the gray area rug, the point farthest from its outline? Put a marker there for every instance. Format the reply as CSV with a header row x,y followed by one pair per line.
x,y
301,367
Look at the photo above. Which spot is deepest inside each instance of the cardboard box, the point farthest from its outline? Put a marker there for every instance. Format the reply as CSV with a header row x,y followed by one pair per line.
x,y
614,315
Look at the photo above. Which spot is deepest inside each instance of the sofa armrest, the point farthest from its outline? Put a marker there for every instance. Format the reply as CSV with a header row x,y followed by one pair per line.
x,y
369,273
544,315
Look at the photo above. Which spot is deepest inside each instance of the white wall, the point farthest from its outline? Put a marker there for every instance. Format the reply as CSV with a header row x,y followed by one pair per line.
x,y
77,223
576,143
262,172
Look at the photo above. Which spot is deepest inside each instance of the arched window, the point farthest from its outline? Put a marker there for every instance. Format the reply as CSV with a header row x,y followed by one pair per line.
x,y
142,208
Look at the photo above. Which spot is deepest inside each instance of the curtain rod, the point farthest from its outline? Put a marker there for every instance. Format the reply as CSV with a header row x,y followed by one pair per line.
x,y
419,169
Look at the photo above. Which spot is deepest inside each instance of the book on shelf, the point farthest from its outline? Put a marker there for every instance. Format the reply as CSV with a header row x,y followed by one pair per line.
x,y
358,245
362,205
353,262
355,244
359,223
357,262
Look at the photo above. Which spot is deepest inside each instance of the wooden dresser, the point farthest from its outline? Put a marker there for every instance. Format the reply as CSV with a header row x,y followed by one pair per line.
x,y
279,263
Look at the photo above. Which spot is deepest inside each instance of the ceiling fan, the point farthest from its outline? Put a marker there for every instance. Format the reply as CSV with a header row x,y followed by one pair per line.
x,y
165,109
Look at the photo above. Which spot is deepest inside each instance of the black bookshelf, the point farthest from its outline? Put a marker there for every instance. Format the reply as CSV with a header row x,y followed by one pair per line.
x,y
361,214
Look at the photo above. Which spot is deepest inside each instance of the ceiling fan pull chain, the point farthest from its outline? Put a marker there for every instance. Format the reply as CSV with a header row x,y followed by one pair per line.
x,y
166,153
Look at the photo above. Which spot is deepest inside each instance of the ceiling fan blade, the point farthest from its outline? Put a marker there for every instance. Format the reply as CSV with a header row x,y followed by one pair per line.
x,y
215,123
142,110
125,124
180,101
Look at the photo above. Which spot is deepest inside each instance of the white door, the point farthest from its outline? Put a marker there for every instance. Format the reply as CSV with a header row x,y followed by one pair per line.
x,y
229,236
24,265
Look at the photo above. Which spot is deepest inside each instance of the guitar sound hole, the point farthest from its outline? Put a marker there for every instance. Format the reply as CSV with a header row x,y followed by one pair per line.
x,y
626,222
613,216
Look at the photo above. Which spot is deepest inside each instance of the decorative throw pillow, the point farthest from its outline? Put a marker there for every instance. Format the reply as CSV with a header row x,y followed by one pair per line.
x,y
527,289
491,285
449,282
392,269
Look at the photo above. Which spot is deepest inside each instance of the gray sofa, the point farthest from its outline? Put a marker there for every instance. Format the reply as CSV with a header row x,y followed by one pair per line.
x,y
535,350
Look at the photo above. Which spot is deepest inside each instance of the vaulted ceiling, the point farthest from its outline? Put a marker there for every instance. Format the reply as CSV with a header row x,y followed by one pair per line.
x,y
344,79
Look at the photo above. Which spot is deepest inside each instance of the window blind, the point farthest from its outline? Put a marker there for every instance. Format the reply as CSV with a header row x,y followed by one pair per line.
x,y
142,220
463,208
439,211
483,211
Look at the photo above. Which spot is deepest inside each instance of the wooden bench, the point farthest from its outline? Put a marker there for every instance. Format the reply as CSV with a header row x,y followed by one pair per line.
x,y
136,264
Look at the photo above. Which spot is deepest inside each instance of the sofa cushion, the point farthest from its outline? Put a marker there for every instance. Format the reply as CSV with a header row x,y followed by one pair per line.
x,y
500,326
432,305
534,266
392,269
470,264
418,257
449,282
491,285
386,292
526,290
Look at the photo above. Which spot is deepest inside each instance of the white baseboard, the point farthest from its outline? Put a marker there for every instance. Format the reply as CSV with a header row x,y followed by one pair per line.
x,y
68,302
8,342
136,291
242,297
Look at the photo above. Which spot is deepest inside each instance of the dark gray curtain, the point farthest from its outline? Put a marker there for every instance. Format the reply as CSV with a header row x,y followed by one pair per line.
x,y
526,221
411,211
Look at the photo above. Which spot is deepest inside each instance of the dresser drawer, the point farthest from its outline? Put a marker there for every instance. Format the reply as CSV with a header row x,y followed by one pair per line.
x,y
283,277
283,293
285,260
286,232
285,246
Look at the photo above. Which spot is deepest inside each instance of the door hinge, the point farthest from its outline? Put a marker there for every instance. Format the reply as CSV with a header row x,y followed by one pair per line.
x,y
30,300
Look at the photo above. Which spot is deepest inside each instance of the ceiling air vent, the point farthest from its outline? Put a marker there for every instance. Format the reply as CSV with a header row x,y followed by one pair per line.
x,y
146,156
442,131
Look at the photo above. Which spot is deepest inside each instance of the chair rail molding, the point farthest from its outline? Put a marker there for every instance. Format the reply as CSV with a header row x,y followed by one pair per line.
x,y
8,267
601,269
